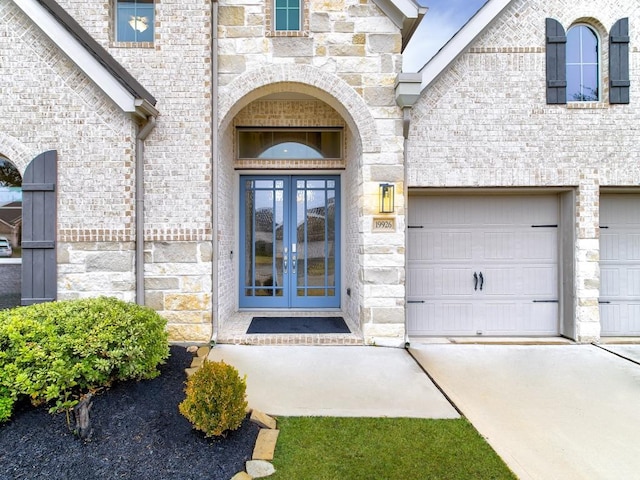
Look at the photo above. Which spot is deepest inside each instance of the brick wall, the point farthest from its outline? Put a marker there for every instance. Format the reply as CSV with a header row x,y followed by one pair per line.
x,y
485,123
347,60
48,104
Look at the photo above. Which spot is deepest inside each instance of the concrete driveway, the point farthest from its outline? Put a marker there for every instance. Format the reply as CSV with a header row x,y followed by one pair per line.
x,y
551,412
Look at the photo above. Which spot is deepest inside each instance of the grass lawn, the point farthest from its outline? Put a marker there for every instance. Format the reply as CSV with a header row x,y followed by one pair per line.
x,y
323,448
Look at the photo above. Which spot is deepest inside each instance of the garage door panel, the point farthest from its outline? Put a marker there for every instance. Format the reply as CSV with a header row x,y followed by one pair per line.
x,y
609,246
456,282
492,236
541,318
610,281
456,318
540,282
455,246
633,282
633,247
621,319
420,245
500,281
500,245
620,264
538,245
421,282
422,319
502,318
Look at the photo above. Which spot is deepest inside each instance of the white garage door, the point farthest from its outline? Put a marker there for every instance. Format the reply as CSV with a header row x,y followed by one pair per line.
x,y
483,265
620,265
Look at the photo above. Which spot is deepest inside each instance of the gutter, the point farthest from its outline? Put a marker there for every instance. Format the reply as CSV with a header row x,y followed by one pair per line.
x,y
407,92
214,172
143,132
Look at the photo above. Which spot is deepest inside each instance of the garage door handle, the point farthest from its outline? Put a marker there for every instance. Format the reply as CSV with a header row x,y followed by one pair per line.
x,y
481,281
475,281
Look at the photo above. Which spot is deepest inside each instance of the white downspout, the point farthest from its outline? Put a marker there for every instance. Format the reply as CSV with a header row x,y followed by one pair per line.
x,y
214,171
142,135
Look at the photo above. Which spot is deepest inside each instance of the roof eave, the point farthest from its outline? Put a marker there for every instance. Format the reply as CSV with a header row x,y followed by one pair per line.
x,y
405,14
459,43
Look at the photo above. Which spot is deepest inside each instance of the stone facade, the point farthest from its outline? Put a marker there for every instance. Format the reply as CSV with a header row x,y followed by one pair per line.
x,y
484,123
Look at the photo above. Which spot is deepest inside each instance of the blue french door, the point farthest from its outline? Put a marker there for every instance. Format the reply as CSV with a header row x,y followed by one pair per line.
x,y
289,241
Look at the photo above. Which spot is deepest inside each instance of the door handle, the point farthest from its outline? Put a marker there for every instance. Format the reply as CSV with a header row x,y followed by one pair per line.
x,y
294,258
481,281
475,281
285,262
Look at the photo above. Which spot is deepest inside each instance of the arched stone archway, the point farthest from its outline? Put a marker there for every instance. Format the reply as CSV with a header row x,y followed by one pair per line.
x,y
306,80
363,146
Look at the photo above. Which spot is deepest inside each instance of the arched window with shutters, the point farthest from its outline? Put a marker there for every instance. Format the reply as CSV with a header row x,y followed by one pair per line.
x,y
583,64
573,61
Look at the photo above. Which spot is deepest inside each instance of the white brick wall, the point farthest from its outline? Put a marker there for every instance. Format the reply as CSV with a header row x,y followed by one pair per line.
x,y
485,123
348,61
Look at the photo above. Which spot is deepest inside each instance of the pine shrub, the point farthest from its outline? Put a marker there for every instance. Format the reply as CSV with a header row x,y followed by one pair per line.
x,y
215,399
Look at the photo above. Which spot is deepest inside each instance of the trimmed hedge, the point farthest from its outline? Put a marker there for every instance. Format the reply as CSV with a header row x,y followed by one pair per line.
x,y
55,352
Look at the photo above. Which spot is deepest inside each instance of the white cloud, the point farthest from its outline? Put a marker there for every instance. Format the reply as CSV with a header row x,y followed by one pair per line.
x,y
442,21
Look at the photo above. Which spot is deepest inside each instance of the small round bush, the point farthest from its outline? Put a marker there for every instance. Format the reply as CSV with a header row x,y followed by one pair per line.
x,y
55,352
215,399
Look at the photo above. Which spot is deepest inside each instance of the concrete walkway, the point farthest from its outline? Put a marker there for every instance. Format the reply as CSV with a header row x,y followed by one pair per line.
x,y
551,412
348,381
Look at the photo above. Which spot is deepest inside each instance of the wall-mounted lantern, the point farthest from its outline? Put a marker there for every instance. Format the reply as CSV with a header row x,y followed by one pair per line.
x,y
387,197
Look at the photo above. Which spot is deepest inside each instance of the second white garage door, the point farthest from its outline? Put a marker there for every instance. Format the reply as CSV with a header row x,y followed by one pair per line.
x,y
482,265
620,265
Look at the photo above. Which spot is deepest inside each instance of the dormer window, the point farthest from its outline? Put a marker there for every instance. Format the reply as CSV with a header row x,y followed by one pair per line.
x,y
135,21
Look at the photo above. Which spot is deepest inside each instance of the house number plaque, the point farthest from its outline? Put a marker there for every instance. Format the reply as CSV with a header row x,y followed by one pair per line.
x,y
384,225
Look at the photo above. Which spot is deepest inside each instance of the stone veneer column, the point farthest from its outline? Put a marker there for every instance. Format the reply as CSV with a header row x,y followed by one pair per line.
x,y
383,270
587,258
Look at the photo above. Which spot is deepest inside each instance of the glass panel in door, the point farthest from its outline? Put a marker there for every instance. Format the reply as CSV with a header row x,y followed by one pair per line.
x,y
263,211
316,252
289,242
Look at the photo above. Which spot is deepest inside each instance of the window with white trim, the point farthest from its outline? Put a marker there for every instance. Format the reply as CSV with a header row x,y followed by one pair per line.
x,y
134,21
583,64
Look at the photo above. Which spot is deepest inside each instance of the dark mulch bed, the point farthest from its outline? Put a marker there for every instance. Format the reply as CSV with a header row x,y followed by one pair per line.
x,y
138,433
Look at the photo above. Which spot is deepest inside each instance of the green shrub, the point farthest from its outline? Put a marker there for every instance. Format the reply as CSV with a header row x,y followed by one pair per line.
x,y
54,352
215,399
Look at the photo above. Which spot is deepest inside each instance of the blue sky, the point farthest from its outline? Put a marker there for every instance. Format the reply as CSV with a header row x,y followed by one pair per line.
x,y
442,21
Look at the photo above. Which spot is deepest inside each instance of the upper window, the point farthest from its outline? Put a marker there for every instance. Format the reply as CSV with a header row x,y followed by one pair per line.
x,y
290,144
134,21
286,18
583,69
574,68
287,15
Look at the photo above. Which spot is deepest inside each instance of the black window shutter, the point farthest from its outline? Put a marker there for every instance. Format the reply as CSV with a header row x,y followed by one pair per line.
x,y
39,268
556,62
619,62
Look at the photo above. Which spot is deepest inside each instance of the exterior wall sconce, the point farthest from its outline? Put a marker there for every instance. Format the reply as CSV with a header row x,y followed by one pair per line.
x,y
387,197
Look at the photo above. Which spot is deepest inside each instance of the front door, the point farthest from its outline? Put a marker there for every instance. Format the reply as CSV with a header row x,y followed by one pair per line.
x,y
290,241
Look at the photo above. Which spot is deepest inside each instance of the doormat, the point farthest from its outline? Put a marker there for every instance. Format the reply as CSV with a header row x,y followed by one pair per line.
x,y
298,325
